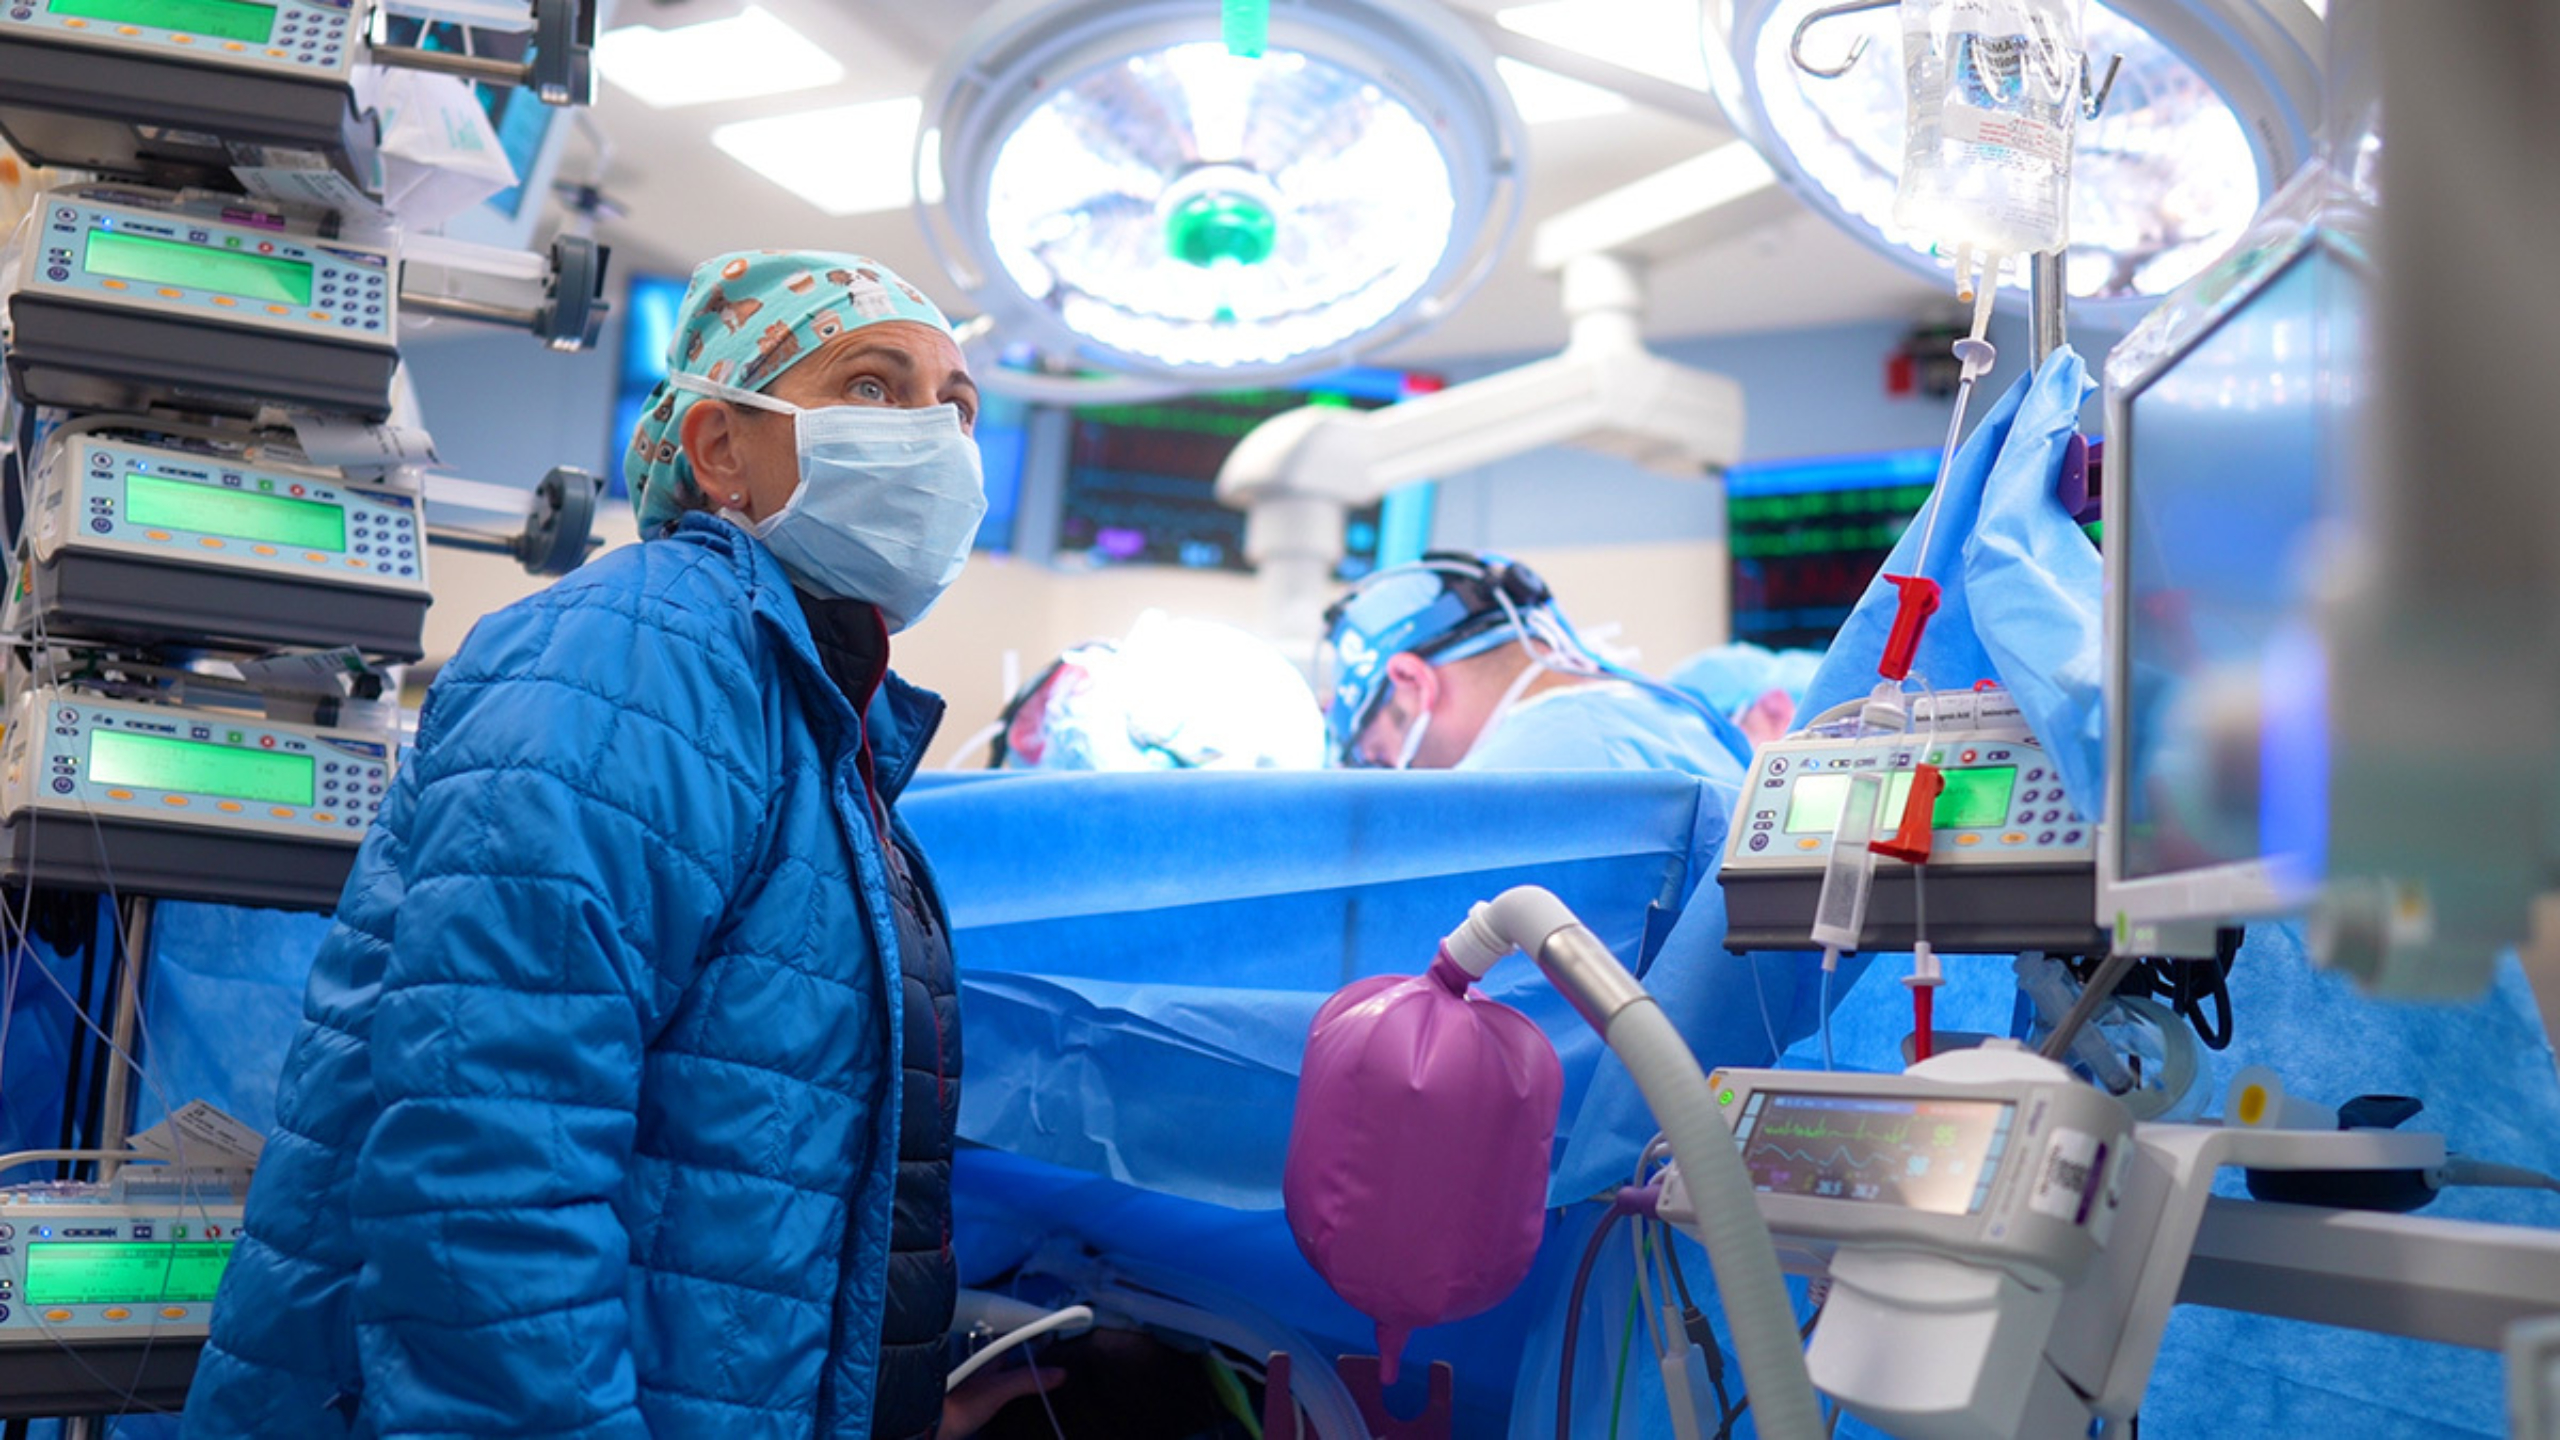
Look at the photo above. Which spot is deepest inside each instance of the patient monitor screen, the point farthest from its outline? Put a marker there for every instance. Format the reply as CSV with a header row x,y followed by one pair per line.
x,y
1932,1155
2229,452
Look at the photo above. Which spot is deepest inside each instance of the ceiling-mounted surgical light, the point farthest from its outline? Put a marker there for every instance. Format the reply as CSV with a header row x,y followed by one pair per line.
x,y
1110,184
2217,104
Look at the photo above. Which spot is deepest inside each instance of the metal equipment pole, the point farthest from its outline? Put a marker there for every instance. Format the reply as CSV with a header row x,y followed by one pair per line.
x,y
115,1125
2048,298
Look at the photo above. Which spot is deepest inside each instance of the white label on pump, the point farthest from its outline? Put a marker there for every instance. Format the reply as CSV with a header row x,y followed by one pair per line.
x,y
303,672
204,1136
2068,1178
355,445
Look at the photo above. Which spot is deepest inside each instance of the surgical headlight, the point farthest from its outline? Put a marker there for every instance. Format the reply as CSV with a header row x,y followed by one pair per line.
x,y
1110,184
2215,107
1443,607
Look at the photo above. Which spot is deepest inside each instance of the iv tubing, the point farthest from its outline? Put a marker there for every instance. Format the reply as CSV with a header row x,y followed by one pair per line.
x,y
1745,1259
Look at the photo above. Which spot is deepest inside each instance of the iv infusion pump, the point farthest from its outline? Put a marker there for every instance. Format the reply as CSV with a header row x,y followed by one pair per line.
x,y
184,802
125,298
136,540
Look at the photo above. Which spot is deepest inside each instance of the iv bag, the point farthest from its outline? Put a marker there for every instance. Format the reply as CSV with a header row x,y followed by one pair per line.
x,y
1993,90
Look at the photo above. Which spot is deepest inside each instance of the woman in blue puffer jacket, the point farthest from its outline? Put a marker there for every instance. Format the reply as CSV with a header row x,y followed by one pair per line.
x,y
623,1099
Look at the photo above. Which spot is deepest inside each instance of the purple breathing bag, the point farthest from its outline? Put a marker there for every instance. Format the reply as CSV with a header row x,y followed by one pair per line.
x,y
1417,1172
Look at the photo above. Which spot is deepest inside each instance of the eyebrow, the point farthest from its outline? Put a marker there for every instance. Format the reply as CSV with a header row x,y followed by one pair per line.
x,y
875,350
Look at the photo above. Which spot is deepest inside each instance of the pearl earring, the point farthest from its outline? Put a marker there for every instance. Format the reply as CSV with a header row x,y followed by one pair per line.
x,y
737,497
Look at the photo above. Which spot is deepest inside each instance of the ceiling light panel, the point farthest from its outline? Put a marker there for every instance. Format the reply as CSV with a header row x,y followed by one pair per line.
x,y
751,53
1545,98
846,160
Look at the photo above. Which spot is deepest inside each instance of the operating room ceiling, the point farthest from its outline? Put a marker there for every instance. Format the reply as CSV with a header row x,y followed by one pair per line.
x,y
684,198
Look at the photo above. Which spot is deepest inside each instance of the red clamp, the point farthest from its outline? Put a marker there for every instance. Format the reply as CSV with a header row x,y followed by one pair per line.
x,y
1909,841
1910,622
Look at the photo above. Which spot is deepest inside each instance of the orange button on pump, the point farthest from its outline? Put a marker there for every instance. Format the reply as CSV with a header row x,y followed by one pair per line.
x,y
182,39
315,557
1810,843
278,55
235,46
156,534
279,309
173,1312
281,813
58,1317
115,284
225,301
75,24
2013,838
358,564
319,314
209,542
177,800
229,807
324,819
1968,840
119,794
128,29
263,549
168,294
118,1312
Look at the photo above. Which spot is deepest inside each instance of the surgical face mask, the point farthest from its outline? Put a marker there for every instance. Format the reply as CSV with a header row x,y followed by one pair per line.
x,y
888,505
1413,734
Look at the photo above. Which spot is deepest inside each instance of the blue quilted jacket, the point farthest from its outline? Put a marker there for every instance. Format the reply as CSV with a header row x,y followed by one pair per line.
x,y
591,1126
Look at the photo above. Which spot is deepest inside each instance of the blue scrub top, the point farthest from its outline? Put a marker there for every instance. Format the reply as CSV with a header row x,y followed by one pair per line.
x,y
1605,725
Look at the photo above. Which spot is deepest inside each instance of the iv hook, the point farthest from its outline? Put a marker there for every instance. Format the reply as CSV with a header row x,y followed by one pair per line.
x,y
1795,46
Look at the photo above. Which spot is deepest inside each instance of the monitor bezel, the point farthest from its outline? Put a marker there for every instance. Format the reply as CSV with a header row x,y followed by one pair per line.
x,y
2177,912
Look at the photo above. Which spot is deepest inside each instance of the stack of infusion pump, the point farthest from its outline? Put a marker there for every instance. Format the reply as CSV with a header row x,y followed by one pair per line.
x,y
216,530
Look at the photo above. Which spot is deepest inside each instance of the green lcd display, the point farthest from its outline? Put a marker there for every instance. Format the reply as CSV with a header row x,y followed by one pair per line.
x,y
156,503
171,262
221,19
196,767
1973,800
125,1272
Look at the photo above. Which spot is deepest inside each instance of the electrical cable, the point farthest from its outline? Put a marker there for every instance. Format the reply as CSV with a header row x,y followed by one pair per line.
x,y
2094,994
1743,1405
1626,1352
1644,1291
1040,1388
1022,1335
1830,965
1559,637
1702,1334
1618,1210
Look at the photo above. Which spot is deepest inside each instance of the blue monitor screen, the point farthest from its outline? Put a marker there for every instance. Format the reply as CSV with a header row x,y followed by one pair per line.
x,y
2225,494
1141,483
648,332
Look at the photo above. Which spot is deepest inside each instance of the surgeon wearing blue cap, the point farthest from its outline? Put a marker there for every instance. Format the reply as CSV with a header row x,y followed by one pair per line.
x,y
623,1101
1465,661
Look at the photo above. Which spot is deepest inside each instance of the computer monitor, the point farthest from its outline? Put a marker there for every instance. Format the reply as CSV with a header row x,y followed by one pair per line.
x,y
1142,479
2226,417
1808,535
